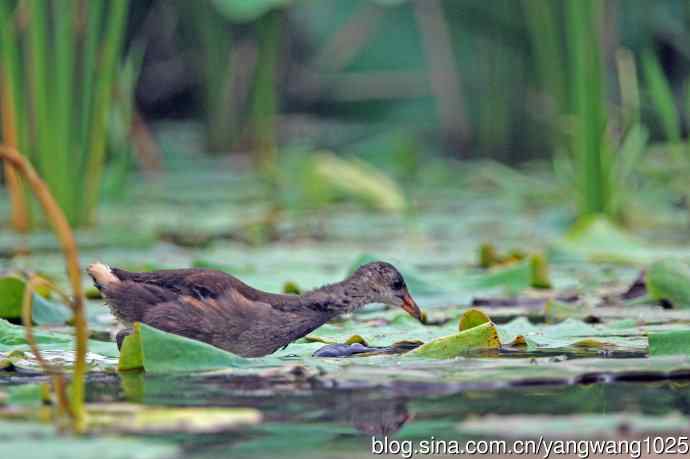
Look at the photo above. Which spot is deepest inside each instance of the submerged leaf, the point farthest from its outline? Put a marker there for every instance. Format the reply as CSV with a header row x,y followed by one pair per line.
x,y
131,418
482,337
44,440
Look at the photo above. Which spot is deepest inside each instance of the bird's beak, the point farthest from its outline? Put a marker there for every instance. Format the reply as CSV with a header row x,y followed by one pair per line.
x,y
411,307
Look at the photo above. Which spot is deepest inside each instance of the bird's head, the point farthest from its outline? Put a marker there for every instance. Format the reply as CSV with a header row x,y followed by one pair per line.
x,y
385,284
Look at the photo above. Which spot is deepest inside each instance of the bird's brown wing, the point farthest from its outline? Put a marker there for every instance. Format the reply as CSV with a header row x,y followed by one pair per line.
x,y
197,283
231,322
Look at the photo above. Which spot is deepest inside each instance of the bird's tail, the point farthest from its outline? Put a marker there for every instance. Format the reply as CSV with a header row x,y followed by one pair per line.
x,y
102,275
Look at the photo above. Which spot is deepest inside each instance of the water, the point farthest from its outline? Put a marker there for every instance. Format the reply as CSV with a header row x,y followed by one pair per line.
x,y
304,418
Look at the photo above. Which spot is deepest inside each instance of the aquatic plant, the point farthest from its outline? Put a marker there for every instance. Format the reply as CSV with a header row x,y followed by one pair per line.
x,y
58,67
74,404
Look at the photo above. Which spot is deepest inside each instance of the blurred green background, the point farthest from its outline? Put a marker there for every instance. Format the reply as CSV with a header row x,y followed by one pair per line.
x,y
349,99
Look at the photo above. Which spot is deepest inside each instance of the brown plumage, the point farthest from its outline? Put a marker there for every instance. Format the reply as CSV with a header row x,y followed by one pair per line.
x,y
219,309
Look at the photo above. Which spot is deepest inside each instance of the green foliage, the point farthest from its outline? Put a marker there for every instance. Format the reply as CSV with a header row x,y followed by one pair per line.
x,y
62,84
12,338
597,239
28,395
161,352
313,180
588,103
472,318
247,10
44,311
479,338
662,97
675,342
669,280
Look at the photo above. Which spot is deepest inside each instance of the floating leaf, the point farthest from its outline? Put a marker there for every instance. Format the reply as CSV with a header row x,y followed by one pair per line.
x,y
669,280
472,318
669,343
162,352
28,394
515,277
11,293
131,357
12,337
45,312
597,239
556,311
489,257
482,337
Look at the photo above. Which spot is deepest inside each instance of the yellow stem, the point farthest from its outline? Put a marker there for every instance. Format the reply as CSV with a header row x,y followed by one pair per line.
x,y
69,248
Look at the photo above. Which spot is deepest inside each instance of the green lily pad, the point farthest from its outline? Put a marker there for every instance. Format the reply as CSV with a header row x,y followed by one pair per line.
x,y
27,394
597,239
513,278
11,293
162,352
45,312
481,337
12,338
669,343
669,280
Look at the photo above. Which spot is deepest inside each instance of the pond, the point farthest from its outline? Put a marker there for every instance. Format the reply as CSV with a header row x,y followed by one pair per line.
x,y
577,352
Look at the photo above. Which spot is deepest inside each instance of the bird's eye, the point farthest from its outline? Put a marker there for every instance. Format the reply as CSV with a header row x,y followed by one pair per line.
x,y
398,284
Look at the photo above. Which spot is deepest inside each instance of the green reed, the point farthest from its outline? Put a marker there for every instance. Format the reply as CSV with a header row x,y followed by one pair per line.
x,y
60,67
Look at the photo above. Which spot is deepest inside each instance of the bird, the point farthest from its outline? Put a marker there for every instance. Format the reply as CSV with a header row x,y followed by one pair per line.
x,y
221,310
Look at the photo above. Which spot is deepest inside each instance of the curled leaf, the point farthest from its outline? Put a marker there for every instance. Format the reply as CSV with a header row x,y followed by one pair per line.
x,y
472,318
481,337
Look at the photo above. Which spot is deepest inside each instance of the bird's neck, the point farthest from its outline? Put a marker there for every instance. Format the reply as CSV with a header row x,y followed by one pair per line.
x,y
338,298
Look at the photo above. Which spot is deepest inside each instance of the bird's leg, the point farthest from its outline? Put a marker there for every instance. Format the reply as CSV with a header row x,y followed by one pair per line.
x,y
121,335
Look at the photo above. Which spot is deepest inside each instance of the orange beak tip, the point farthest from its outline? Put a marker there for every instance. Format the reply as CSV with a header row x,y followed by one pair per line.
x,y
412,309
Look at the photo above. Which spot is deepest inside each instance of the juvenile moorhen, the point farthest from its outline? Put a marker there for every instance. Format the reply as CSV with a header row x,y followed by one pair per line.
x,y
221,310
